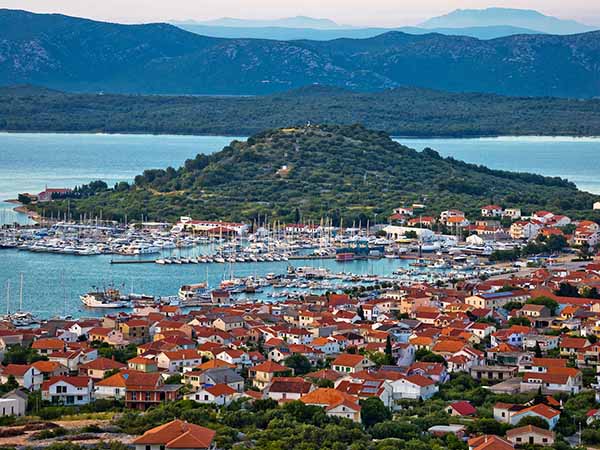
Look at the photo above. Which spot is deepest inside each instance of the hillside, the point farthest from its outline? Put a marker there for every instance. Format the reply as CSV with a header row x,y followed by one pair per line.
x,y
400,112
344,172
526,18
73,54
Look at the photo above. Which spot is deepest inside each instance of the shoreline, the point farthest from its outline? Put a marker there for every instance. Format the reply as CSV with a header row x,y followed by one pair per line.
x,y
243,134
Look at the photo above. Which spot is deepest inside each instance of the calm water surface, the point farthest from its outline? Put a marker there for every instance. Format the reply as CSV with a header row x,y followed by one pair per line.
x,y
53,283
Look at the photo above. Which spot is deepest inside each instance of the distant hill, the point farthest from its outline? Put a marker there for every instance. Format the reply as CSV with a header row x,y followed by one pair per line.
x,y
290,22
74,54
522,18
289,33
400,111
332,171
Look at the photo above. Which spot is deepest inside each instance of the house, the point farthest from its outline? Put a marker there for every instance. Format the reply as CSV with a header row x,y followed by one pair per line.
x,y
217,375
68,390
99,367
218,394
49,194
493,372
238,358
524,230
556,379
136,331
176,434
143,390
531,435
108,335
284,389
461,409
489,442
175,361
13,403
142,364
50,369
413,387
512,414
349,363
26,375
496,300
263,374
228,323
47,346
336,403
533,311
492,211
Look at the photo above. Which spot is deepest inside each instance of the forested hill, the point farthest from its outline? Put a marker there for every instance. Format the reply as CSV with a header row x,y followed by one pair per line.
x,y
323,171
400,112
83,55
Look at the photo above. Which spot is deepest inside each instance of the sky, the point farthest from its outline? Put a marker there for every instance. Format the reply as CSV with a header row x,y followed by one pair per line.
x,y
351,12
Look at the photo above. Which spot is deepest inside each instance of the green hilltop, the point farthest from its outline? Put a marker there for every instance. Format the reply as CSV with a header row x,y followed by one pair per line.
x,y
314,172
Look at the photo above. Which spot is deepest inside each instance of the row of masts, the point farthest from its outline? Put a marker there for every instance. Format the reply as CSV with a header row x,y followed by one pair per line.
x,y
8,296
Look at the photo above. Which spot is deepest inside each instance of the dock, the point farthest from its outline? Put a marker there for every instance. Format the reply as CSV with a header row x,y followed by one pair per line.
x,y
132,261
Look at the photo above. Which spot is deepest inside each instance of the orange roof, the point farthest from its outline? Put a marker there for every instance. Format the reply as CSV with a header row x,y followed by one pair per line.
x,y
178,434
448,346
102,364
540,409
220,389
47,366
329,397
348,360
48,343
270,367
116,380
214,363
489,442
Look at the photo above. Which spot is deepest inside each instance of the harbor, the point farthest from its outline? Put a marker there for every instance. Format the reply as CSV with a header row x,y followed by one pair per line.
x,y
75,269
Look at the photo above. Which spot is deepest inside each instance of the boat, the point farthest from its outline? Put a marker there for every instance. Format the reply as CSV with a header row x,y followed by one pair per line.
x,y
192,293
109,298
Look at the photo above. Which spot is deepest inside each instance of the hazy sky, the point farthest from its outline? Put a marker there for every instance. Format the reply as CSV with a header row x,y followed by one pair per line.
x,y
354,12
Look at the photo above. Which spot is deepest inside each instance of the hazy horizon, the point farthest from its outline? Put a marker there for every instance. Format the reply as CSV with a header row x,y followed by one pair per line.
x,y
385,13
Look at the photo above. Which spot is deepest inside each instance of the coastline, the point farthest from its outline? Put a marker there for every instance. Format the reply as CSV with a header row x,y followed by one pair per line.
x,y
246,133
22,209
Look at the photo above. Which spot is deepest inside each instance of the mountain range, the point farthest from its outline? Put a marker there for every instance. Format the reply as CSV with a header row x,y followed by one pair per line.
x,y
521,18
324,34
76,54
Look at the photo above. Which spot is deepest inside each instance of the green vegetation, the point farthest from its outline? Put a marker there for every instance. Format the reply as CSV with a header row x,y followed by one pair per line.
x,y
401,112
345,173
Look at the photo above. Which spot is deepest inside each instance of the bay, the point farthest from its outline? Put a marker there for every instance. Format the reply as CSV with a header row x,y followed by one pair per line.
x,y
53,283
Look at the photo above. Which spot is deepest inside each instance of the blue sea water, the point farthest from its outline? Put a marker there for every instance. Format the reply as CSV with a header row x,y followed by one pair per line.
x,y
53,283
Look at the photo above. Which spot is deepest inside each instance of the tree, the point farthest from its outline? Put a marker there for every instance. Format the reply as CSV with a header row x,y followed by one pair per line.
x,y
548,302
533,420
567,290
524,321
388,350
360,311
513,305
427,356
373,411
299,363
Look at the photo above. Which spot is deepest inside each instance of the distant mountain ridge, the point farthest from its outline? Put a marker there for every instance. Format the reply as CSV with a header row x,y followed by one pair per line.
x,y
75,54
522,18
290,33
291,22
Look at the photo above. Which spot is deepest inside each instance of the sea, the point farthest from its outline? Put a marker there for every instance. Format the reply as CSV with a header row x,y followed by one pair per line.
x,y
53,283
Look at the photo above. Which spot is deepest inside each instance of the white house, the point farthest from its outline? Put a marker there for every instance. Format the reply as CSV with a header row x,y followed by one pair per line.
x,y
27,376
13,403
220,394
68,390
175,361
413,387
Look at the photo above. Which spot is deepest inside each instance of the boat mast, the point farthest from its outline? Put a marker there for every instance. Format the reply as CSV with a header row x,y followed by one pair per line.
x,y
7,297
21,295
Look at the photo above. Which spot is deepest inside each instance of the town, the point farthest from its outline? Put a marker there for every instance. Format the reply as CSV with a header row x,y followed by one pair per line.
x,y
491,360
